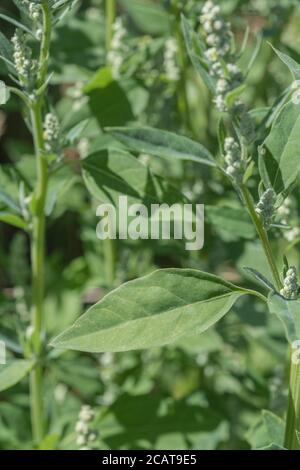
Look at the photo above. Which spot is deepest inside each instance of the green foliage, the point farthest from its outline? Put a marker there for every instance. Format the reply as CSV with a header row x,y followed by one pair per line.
x,y
152,311
172,352
13,372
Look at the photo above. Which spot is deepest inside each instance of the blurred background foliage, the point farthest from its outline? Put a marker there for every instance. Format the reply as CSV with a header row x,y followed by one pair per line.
x,y
203,393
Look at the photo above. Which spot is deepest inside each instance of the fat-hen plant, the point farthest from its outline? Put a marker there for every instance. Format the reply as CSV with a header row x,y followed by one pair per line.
x,y
257,157
169,304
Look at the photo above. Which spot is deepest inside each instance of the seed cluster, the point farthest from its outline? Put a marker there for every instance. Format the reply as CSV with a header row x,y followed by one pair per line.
x,y
265,207
51,131
233,158
34,9
116,53
25,66
82,428
170,64
218,38
290,284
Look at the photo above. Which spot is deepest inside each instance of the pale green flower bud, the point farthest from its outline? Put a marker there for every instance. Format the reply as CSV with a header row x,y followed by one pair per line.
x,y
290,284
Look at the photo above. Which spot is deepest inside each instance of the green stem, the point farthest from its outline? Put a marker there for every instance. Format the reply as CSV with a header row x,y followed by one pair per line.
x,y
291,441
110,10
109,246
262,235
183,101
38,237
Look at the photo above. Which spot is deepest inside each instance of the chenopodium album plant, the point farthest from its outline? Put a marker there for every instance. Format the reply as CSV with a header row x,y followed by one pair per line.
x,y
168,304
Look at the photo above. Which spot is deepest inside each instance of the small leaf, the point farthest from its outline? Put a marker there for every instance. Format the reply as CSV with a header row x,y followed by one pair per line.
x,y
109,174
195,51
4,93
9,202
13,219
267,433
17,24
13,372
6,49
234,94
293,66
152,311
162,144
279,162
107,99
260,278
288,312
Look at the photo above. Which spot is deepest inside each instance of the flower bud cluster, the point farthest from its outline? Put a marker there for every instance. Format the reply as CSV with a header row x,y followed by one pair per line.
x,y
218,38
116,53
292,234
85,436
233,158
284,211
290,284
170,64
25,66
34,9
51,132
266,207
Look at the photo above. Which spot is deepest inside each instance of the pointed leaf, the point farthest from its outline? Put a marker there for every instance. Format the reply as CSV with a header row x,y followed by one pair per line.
x,y
195,52
109,174
293,66
288,312
13,220
260,278
14,371
152,311
162,144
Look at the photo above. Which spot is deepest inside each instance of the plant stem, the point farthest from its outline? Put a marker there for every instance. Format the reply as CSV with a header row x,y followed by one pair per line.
x,y
38,236
110,10
291,441
110,260
262,235
183,102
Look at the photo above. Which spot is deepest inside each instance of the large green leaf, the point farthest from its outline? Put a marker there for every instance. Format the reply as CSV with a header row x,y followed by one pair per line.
x,y
152,311
109,174
162,144
288,312
280,163
14,371
107,100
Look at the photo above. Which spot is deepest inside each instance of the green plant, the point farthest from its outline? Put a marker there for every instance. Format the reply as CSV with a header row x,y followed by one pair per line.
x,y
77,92
170,304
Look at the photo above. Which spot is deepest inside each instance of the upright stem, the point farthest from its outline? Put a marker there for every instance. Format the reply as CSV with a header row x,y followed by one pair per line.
x,y
262,235
110,245
110,9
183,102
291,440
38,236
